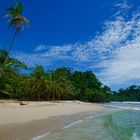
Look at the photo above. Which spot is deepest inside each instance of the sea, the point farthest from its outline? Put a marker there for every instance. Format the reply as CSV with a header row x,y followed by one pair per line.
x,y
122,123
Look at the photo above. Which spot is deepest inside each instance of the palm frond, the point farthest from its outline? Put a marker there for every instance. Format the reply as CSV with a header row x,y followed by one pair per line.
x,y
25,21
19,7
11,9
15,18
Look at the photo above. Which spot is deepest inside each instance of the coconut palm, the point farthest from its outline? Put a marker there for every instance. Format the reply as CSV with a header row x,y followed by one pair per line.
x,y
38,83
11,76
54,88
16,21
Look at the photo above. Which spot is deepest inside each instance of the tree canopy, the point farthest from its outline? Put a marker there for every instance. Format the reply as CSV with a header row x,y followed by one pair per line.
x,y
132,93
59,84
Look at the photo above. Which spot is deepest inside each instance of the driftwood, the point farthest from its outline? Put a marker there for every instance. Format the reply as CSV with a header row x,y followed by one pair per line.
x,y
22,103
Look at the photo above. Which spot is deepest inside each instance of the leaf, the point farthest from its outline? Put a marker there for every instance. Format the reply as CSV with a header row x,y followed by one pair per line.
x,y
19,7
15,19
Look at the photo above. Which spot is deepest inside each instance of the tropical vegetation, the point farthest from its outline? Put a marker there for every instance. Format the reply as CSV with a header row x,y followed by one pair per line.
x,y
15,20
132,93
59,84
50,85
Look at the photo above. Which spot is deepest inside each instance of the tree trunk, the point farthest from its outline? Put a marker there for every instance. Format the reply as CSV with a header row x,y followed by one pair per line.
x,y
8,52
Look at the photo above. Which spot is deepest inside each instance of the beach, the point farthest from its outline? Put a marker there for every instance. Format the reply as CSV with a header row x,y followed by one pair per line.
x,y
25,120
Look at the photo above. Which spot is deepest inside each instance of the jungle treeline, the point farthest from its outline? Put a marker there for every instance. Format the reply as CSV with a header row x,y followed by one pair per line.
x,y
41,85
132,93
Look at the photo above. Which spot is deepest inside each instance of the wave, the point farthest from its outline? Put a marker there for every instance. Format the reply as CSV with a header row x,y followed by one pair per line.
x,y
119,130
79,121
136,108
72,124
124,107
128,102
125,102
41,136
90,117
135,137
129,108
65,127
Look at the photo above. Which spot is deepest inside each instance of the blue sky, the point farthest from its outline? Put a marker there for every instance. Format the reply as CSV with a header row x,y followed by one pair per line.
x,y
98,35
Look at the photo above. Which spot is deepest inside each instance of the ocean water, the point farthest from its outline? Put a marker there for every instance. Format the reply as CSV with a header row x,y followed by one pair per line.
x,y
123,124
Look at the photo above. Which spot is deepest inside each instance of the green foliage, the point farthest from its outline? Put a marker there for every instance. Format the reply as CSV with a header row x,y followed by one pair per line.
x,y
11,75
131,93
15,18
59,84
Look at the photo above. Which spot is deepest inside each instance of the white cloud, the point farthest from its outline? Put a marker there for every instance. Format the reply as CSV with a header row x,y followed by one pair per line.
x,y
31,59
124,67
58,52
115,51
40,48
123,5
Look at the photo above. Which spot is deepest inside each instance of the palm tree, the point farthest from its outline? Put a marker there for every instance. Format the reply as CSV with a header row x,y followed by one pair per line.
x,y
15,20
44,86
54,88
58,87
38,82
11,76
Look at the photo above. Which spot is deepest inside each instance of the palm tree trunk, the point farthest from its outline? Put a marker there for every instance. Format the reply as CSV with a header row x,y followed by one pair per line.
x,y
8,52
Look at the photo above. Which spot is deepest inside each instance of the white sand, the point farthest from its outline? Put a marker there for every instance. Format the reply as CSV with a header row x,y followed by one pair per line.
x,y
13,112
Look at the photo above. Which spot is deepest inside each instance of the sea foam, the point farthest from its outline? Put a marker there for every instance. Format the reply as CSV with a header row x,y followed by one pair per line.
x,y
41,136
135,137
74,123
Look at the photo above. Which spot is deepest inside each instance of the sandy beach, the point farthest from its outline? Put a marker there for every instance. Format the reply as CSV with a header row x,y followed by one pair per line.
x,y
23,122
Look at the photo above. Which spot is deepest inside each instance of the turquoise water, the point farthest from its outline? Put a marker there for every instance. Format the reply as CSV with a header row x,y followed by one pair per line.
x,y
115,125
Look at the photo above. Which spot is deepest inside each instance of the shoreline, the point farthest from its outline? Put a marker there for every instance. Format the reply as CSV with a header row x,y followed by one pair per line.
x,y
37,123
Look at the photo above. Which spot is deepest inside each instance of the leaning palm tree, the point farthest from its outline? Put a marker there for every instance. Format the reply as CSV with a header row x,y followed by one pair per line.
x,y
16,21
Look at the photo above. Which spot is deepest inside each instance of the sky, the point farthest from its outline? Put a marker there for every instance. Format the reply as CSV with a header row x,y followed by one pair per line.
x,y
98,35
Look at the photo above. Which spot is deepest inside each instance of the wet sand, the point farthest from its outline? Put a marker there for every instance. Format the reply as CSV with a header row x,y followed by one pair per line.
x,y
23,122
